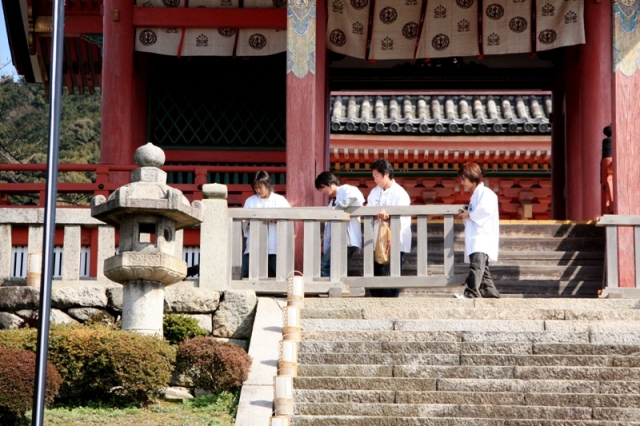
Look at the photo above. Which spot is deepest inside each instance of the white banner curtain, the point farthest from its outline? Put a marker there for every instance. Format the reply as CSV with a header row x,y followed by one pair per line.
x,y
451,30
507,27
386,29
395,29
211,41
347,28
559,24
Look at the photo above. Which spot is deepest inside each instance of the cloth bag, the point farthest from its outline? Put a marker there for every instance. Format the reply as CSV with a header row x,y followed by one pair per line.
x,y
381,253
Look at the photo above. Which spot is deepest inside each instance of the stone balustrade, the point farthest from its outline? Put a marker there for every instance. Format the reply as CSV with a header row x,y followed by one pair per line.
x,y
221,246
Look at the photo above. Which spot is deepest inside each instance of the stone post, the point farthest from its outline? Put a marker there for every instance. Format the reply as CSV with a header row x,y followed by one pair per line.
x,y
214,238
71,249
106,248
5,252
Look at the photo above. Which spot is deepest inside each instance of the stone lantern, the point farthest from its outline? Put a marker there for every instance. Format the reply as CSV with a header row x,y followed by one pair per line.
x,y
149,214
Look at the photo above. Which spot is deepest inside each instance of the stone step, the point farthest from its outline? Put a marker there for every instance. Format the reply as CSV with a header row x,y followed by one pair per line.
x,y
508,372
512,272
621,326
536,386
428,303
529,244
363,383
523,348
485,347
550,288
447,336
464,410
414,384
557,258
431,325
444,421
453,313
474,313
504,412
480,372
475,360
474,398
523,229
518,288
626,326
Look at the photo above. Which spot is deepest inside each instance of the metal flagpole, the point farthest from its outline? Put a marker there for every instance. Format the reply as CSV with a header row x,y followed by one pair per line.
x,y
57,43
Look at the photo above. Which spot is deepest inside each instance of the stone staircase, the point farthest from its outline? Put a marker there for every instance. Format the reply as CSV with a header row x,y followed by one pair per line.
x,y
537,259
434,361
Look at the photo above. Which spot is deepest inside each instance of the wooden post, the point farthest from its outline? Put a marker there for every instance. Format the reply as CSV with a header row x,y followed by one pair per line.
x,y
558,177
626,132
307,136
123,91
573,135
594,75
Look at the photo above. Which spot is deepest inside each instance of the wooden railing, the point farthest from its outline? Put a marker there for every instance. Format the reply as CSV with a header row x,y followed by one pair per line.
x,y
338,281
197,175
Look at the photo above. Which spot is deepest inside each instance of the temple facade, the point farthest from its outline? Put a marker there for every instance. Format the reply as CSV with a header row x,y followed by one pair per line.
x,y
524,88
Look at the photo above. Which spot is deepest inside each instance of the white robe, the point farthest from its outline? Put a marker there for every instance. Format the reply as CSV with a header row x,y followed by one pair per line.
x,y
394,196
354,230
482,229
255,202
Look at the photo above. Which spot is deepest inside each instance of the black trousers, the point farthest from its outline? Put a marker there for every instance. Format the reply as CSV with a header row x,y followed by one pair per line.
x,y
271,263
385,271
479,281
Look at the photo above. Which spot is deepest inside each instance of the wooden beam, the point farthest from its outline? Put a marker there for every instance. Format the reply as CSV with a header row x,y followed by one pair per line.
x,y
74,25
158,17
223,156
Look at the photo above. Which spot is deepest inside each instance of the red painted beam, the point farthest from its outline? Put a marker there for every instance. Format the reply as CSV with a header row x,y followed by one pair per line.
x,y
75,25
159,17
20,236
191,237
213,156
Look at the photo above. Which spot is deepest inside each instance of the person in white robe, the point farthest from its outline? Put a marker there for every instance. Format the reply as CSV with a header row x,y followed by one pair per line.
x,y
341,196
481,233
264,197
388,193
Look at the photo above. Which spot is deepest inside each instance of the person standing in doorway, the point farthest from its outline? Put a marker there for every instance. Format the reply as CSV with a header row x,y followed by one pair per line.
x,y
264,197
481,233
340,197
388,193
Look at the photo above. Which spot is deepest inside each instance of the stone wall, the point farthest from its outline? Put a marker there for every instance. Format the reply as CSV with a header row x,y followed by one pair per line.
x,y
226,315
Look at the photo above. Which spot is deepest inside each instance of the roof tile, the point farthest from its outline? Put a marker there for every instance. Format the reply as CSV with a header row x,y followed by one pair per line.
x,y
441,114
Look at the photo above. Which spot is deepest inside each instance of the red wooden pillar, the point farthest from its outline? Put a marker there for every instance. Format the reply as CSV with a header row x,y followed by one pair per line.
x,y
558,178
306,100
626,131
123,90
573,135
594,74
307,135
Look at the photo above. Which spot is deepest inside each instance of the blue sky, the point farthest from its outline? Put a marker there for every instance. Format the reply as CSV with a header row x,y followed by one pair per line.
x,y
5,53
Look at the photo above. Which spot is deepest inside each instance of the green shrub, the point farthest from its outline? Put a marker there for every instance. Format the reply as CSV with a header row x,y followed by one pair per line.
x,y
17,378
178,328
212,365
99,364
22,338
104,365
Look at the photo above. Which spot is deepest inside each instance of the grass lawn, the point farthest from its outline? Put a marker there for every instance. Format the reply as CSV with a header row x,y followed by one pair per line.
x,y
203,411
